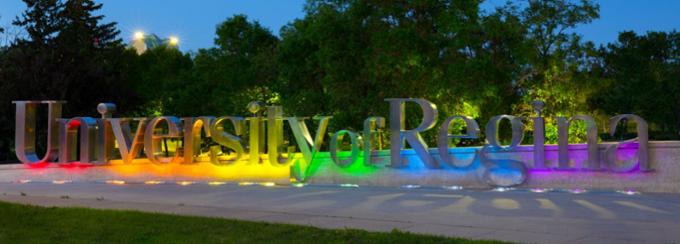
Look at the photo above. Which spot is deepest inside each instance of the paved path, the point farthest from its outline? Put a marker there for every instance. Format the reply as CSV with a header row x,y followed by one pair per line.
x,y
520,215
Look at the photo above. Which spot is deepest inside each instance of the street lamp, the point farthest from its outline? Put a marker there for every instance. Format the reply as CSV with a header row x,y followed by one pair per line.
x,y
139,35
174,41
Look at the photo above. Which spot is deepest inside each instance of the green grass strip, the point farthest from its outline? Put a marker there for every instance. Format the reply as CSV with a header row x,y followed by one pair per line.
x,y
33,224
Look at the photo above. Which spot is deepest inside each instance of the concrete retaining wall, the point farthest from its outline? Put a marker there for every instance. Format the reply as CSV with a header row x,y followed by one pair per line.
x,y
664,156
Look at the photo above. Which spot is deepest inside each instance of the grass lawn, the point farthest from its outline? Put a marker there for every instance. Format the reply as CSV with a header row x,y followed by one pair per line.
x,y
31,224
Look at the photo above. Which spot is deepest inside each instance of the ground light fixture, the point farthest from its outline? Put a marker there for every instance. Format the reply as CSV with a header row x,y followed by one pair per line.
x,y
115,182
185,183
298,184
452,188
410,186
153,182
577,191
60,182
346,185
216,183
629,192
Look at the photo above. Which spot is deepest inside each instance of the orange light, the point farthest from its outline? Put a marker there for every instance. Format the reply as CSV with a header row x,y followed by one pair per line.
x,y
115,182
153,182
185,183
60,182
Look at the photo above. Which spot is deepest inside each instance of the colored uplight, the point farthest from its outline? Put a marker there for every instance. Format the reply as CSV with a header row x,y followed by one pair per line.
x,y
153,182
502,189
577,191
452,188
298,185
539,190
60,182
216,183
173,41
629,192
115,182
410,186
185,183
24,181
139,35
246,183
349,185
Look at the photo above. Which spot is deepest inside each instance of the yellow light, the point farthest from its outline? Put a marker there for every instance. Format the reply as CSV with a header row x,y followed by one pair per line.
x,y
246,183
185,183
139,35
216,183
115,182
174,41
268,184
153,182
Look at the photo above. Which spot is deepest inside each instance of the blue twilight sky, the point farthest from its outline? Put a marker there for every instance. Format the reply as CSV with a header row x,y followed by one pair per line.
x,y
194,21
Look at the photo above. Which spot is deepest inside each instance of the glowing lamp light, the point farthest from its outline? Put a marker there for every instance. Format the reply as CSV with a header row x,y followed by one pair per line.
x,y
173,41
60,182
153,182
349,185
24,181
139,35
410,186
452,188
246,183
502,189
185,183
298,185
577,191
216,183
629,192
539,190
268,184
115,182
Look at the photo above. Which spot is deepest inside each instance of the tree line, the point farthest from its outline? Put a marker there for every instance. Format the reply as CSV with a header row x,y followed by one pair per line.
x,y
343,58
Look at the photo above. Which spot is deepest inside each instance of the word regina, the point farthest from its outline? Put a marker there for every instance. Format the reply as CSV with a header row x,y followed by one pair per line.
x,y
87,140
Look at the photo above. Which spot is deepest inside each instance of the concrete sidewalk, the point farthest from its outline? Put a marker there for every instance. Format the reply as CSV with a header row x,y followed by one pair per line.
x,y
520,215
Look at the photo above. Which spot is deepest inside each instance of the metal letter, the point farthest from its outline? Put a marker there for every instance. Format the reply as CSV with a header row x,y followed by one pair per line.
x,y
192,136
152,140
539,135
643,148
24,140
399,132
443,139
563,124
67,137
372,125
338,136
304,140
105,142
275,136
225,139
128,146
492,132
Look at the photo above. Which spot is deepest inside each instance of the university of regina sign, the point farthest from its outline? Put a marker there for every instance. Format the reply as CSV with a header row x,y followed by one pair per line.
x,y
260,140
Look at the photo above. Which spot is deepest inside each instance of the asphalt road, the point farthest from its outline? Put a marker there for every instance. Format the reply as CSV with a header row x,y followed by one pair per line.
x,y
514,215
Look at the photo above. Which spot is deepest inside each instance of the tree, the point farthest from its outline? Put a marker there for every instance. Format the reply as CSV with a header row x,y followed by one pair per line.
x,y
239,70
641,74
67,55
